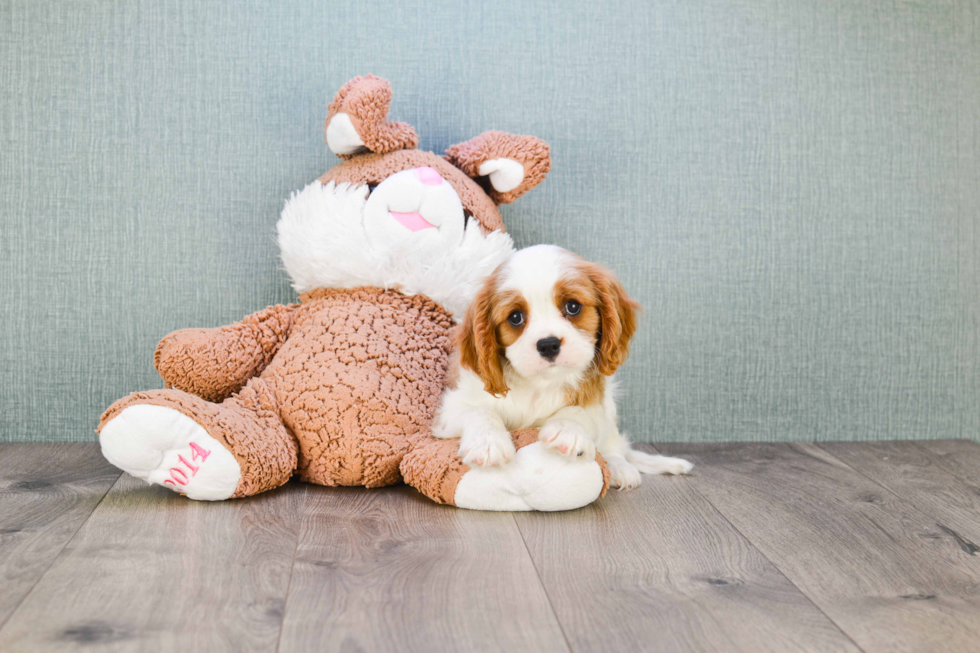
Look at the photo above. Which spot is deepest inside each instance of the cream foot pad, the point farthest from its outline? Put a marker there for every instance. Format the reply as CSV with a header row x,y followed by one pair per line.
x,y
163,446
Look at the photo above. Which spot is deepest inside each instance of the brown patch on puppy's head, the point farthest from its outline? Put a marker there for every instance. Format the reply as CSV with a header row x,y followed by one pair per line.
x,y
578,287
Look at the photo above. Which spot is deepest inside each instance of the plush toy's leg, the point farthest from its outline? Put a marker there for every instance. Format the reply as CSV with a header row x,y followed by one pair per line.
x,y
537,479
200,449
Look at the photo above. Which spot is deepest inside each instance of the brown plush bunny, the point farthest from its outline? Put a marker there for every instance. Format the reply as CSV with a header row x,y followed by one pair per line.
x,y
386,249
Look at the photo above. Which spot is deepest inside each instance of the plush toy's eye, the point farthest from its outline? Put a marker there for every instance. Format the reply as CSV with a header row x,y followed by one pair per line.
x,y
516,318
572,308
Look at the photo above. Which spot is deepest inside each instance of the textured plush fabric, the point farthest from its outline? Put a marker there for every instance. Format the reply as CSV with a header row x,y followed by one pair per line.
x,y
366,101
340,390
248,425
791,188
354,381
533,153
214,363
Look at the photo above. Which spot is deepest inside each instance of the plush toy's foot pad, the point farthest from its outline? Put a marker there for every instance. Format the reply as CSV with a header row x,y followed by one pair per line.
x,y
537,479
164,447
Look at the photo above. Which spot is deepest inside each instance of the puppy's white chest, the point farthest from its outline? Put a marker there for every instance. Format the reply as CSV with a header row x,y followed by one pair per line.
x,y
531,407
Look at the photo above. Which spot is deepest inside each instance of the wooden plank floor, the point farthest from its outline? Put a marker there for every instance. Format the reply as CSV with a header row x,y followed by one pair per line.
x,y
765,547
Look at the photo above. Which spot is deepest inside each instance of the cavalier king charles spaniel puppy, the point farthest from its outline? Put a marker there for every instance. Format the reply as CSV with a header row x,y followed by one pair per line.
x,y
537,349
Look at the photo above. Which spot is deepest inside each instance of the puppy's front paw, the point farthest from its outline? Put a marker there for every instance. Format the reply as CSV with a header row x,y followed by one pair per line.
x,y
487,450
567,438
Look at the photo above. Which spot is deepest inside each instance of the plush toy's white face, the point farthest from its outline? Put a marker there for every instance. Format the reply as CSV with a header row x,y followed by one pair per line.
x,y
414,211
403,233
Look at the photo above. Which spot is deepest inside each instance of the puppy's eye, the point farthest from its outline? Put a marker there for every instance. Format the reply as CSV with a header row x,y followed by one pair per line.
x,y
516,318
572,308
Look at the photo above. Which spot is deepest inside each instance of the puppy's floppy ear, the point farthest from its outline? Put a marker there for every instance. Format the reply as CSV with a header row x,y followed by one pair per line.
x,y
357,120
617,314
476,341
513,165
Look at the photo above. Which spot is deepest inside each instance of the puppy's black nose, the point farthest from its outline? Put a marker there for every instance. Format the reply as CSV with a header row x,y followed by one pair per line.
x,y
549,347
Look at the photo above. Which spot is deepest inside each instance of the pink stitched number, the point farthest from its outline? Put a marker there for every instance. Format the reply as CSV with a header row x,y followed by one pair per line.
x,y
189,466
198,452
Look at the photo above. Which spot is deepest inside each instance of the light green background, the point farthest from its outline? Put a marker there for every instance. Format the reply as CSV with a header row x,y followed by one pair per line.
x,y
790,187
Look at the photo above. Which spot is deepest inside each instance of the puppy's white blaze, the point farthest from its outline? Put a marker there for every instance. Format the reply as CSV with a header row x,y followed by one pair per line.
x,y
534,272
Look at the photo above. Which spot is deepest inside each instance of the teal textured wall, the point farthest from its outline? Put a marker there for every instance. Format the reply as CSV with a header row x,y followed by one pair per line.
x,y
791,188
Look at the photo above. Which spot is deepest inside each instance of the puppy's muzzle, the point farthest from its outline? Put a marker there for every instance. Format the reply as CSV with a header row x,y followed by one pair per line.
x,y
549,347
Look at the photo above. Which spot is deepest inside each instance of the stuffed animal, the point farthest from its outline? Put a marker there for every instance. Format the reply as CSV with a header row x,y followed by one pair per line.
x,y
386,249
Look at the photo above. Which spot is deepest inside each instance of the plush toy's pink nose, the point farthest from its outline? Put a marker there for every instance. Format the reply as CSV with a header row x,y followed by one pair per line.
x,y
428,176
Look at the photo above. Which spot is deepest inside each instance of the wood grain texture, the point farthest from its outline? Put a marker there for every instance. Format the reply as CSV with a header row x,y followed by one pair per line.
x,y
151,570
46,494
764,548
876,565
914,474
388,570
659,569
959,457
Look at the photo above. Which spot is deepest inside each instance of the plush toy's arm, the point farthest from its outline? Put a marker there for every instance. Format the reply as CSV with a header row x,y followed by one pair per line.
x,y
215,363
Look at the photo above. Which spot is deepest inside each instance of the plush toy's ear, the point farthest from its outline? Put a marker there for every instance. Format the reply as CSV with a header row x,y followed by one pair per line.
x,y
357,120
512,164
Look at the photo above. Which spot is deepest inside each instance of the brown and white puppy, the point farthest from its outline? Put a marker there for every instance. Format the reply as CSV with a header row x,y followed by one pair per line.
x,y
537,349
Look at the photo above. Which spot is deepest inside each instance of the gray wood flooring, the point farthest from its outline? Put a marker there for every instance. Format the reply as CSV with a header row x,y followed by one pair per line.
x,y
765,547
